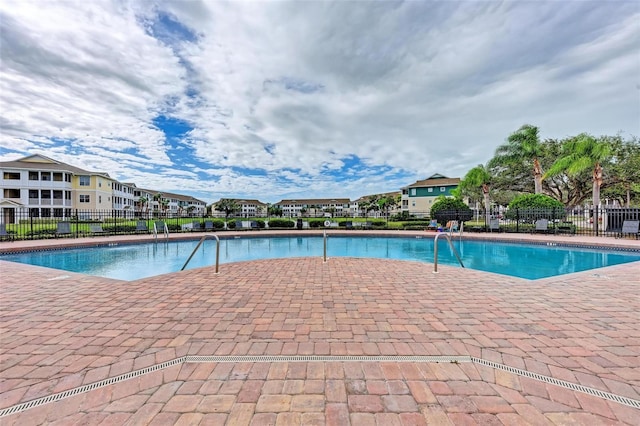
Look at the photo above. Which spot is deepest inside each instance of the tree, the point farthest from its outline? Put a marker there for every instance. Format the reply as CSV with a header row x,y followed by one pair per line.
x,y
580,154
365,205
623,180
228,206
386,202
529,207
142,201
480,177
446,209
523,146
274,210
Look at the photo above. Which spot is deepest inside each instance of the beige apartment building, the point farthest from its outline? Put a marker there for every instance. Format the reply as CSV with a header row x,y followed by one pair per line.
x,y
37,186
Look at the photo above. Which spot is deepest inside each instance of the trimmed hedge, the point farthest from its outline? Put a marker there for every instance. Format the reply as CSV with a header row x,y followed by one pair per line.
x,y
281,223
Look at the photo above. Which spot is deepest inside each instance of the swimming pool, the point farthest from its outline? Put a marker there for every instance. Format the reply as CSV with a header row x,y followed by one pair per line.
x,y
135,261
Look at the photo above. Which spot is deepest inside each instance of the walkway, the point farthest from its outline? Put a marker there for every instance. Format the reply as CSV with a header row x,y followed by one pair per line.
x,y
300,341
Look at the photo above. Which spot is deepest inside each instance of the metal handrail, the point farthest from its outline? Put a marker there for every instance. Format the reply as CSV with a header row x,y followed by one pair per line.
x,y
198,246
324,256
435,251
165,231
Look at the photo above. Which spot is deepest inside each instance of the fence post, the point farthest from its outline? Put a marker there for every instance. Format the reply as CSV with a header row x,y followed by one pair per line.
x,y
31,224
517,220
77,223
596,220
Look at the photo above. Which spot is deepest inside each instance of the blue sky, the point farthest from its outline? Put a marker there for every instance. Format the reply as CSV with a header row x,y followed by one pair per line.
x,y
274,100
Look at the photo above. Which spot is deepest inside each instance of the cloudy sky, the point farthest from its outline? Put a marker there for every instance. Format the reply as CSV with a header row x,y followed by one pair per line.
x,y
284,99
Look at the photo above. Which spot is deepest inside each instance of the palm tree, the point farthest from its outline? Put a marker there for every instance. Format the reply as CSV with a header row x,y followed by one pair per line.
x,y
142,202
480,177
364,205
228,206
523,146
579,154
275,210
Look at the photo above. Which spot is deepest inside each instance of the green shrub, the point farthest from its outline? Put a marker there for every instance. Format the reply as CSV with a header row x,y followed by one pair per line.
x,y
316,223
446,209
531,207
281,223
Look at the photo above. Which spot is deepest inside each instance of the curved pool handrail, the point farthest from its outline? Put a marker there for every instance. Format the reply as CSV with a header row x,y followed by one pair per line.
x,y
198,246
435,251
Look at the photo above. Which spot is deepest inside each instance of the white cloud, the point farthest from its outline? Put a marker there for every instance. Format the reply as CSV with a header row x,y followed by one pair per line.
x,y
294,88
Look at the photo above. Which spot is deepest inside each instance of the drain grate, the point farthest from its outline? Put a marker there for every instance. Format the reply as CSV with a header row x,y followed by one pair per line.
x,y
562,383
327,358
317,358
86,388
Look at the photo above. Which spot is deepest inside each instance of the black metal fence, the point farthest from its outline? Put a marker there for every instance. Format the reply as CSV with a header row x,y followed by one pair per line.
x,y
577,221
20,224
24,224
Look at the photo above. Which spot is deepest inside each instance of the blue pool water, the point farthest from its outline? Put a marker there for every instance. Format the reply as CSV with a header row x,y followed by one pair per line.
x,y
134,261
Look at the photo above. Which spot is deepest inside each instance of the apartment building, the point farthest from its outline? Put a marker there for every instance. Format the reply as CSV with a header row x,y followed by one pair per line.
x,y
418,197
246,208
362,207
338,207
40,187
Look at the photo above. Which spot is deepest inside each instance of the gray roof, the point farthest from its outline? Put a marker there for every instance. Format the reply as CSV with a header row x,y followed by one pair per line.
x,y
45,163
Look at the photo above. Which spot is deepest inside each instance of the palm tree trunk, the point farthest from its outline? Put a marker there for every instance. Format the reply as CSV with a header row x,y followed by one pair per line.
x,y
487,204
537,176
597,182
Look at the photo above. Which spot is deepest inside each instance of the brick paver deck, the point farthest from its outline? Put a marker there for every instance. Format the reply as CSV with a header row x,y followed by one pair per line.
x,y
60,331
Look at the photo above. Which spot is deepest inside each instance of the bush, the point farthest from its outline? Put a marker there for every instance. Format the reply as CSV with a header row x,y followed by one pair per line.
x,y
403,216
316,223
531,207
446,209
281,223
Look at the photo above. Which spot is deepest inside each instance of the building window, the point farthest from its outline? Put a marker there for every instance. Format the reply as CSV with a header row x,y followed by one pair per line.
x,y
34,176
99,198
57,177
84,180
11,176
442,189
99,184
84,198
11,193
413,191
45,176
429,189
67,177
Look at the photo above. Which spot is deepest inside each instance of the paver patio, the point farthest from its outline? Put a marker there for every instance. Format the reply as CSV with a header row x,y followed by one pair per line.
x,y
61,331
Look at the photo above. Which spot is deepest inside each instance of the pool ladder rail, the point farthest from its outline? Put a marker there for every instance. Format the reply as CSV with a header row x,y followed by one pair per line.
x,y
198,246
165,231
435,251
324,255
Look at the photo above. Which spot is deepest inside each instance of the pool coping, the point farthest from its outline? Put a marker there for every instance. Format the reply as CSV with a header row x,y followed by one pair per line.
x,y
607,243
